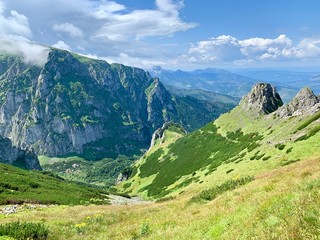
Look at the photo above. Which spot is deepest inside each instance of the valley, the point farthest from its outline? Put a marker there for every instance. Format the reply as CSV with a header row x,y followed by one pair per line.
x,y
92,150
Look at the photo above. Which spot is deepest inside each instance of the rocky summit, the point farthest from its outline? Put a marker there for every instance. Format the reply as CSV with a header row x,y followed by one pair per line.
x,y
304,103
262,99
76,105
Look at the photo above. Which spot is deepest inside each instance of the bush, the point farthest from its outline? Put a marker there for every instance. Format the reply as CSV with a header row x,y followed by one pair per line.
x,y
24,231
280,146
212,193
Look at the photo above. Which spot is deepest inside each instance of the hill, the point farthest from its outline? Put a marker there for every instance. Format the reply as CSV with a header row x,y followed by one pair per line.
x,y
18,186
259,134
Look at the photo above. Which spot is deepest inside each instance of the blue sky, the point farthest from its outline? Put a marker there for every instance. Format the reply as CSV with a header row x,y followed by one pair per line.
x,y
173,34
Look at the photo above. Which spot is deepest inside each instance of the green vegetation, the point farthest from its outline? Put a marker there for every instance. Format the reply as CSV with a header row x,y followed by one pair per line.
x,y
212,193
280,146
100,173
23,231
20,186
195,151
309,121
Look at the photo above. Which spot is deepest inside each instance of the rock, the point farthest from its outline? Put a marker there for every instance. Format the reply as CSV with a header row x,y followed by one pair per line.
x,y
13,155
159,133
304,103
121,178
263,99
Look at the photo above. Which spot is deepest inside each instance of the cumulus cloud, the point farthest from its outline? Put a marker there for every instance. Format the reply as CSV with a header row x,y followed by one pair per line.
x,y
62,45
227,48
68,28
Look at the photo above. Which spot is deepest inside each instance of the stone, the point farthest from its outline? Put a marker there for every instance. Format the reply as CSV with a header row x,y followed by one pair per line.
x,y
262,99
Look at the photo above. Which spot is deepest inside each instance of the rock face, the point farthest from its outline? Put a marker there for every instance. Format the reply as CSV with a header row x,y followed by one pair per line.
x,y
13,155
263,99
304,103
159,133
76,105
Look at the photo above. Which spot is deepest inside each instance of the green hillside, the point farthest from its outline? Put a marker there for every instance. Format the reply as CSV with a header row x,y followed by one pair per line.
x,y
19,186
240,143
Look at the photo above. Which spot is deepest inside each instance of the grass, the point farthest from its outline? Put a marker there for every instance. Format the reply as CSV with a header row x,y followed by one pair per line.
x,y
212,193
279,204
195,151
19,186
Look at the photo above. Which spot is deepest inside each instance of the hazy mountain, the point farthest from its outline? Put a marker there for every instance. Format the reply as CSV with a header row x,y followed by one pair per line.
x,y
210,79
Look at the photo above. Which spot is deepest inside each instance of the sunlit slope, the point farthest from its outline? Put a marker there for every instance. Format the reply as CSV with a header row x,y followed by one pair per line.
x,y
240,143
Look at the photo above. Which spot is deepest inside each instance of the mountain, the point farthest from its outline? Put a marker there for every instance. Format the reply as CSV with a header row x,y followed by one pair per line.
x,y
210,79
74,105
259,134
212,97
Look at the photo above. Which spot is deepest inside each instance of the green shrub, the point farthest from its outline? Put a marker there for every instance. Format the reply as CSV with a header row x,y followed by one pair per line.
x,y
309,121
18,230
212,193
280,146
289,150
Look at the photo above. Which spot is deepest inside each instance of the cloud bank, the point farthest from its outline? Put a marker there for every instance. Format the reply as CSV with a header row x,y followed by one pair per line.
x,y
227,48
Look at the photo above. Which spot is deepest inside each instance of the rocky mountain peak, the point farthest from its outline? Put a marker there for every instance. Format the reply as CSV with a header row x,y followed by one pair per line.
x,y
304,103
263,99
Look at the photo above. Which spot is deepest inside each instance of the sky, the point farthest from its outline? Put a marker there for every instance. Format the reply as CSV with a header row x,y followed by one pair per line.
x,y
173,34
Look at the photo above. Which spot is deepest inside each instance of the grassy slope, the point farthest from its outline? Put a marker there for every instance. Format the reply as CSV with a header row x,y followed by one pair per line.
x,y
212,155
19,186
280,204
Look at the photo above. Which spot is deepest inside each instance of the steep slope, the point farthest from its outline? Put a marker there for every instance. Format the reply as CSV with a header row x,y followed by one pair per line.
x,y
79,106
250,139
16,156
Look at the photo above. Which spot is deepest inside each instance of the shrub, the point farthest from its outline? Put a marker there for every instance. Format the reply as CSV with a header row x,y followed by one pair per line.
x,y
280,146
212,193
18,230
289,150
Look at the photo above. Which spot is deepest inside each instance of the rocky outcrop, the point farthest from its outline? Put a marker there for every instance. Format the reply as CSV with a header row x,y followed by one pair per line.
x,y
304,103
263,99
13,155
159,133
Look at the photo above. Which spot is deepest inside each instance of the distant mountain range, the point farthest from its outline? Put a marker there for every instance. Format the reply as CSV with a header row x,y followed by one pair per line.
x,y
237,84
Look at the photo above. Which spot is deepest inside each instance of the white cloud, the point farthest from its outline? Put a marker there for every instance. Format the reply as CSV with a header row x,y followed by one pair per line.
x,y
138,24
14,24
225,48
30,52
62,45
69,28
